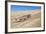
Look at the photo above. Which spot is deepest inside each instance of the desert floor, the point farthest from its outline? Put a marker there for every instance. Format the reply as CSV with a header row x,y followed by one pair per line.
x,y
34,21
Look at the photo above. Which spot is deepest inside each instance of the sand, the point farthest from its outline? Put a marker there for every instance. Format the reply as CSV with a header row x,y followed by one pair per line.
x,y
34,21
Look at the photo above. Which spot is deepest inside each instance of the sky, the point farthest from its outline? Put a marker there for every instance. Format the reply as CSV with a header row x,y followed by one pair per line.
x,y
15,8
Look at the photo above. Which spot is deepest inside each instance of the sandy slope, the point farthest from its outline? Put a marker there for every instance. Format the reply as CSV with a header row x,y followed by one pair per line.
x,y
34,21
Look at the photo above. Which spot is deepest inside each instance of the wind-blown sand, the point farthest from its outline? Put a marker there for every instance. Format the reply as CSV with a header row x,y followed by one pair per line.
x,y
34,21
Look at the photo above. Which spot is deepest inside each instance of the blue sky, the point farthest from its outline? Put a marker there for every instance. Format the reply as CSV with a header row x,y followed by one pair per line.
x,y
24,8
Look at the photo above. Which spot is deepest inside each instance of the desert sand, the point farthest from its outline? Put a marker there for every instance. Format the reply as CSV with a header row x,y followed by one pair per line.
x,y
34,21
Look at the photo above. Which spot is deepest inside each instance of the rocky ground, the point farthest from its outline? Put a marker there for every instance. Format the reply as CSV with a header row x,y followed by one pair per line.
x,y
33,21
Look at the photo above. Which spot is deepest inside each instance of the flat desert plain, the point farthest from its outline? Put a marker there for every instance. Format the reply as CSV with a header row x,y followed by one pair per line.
x,y
33,21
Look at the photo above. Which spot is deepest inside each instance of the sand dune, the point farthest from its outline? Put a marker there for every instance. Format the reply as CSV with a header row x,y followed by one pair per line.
x,y
34,21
